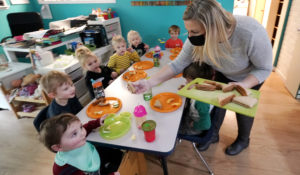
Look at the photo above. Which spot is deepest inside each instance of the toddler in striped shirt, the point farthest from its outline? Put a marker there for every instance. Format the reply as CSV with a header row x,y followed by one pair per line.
x,y
121,60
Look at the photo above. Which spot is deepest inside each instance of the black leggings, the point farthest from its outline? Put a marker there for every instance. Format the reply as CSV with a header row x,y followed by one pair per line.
x,y
244,122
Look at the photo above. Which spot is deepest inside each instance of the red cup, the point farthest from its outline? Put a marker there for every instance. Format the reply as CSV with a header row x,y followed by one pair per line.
x,y
148,127
105,16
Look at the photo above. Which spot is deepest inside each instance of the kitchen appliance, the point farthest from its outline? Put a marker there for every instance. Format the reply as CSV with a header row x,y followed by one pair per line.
x,y
94,35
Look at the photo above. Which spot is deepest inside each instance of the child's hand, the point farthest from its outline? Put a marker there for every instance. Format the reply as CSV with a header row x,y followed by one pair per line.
x,y
114,75
146,47
181,86
102,119
122,70
130,49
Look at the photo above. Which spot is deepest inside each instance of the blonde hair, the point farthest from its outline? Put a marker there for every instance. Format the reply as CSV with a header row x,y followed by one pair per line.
x,y
131,34
82,54
174,28
54,79
117,39
52,129
218,24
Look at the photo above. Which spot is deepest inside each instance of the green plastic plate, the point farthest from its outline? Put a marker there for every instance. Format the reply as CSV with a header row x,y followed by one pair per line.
x,y
211,97
115,126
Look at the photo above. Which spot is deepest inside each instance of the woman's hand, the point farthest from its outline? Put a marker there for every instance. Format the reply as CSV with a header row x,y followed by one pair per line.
x,y
141,86
249,82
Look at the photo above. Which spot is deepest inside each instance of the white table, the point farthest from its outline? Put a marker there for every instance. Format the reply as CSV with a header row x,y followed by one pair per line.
x,y
167,123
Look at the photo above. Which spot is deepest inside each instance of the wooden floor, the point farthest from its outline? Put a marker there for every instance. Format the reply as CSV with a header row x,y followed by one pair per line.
x,y
274,147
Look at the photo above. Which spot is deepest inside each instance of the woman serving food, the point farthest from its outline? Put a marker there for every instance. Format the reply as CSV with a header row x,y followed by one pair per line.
x,y
237,47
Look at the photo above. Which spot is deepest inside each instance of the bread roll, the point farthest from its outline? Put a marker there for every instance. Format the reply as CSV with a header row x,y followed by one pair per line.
x,y
228,87
157,104
225,98
241,90
205,87
245,101
131,88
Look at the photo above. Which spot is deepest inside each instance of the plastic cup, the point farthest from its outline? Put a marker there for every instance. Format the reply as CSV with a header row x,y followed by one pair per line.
x,y
140,115
162,45
149,130
105,16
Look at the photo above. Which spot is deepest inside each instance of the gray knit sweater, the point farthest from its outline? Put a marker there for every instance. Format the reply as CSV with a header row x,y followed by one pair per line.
x,y
251,53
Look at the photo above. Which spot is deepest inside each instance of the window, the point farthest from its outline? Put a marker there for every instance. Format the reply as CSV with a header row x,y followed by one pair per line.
x,y
74,1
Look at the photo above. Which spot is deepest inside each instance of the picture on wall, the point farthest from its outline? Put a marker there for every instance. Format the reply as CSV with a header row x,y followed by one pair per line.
x,y
19,1
161,3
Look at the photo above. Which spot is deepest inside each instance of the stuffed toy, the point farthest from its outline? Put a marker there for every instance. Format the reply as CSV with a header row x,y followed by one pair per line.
x,y
30,78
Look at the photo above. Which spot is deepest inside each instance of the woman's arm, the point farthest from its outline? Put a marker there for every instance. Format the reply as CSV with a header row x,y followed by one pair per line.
x,y
249,82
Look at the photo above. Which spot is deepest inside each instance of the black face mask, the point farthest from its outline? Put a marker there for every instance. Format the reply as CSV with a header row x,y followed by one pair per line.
x,y
197,40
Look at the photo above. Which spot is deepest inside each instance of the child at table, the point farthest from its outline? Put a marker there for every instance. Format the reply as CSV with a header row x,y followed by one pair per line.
x,y
66,136
121,60
174,41
135,42
93,70
196,116
60,88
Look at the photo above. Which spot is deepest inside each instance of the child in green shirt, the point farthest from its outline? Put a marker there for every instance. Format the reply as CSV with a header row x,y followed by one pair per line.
x,y
196,116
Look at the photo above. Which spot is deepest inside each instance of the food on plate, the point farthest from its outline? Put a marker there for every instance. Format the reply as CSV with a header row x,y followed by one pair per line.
x,y
176,104
98,112
139,67
228,87
157,104
149,54
115,105
245,101
133,137
205,87
241,90
131,88
225,98
132,72
170,100
103,103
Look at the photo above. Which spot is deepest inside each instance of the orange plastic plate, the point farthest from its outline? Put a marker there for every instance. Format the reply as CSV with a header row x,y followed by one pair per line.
x,y
143,65
176,50
167,104
134,75
93,111
172,57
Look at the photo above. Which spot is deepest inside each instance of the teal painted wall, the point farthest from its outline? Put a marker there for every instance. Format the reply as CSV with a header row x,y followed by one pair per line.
x,y
5,31
151,22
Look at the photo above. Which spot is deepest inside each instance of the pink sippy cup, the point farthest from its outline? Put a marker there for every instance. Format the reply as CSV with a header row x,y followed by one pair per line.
x,y
140,115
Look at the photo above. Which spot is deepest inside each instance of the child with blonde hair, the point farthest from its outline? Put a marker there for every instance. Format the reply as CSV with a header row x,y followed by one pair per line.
x,y
59,86
121,60
91,64
174,41
135,42
66,136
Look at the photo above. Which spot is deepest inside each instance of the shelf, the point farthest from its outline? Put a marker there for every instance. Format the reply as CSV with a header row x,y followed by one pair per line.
x,y
23,99
28,114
